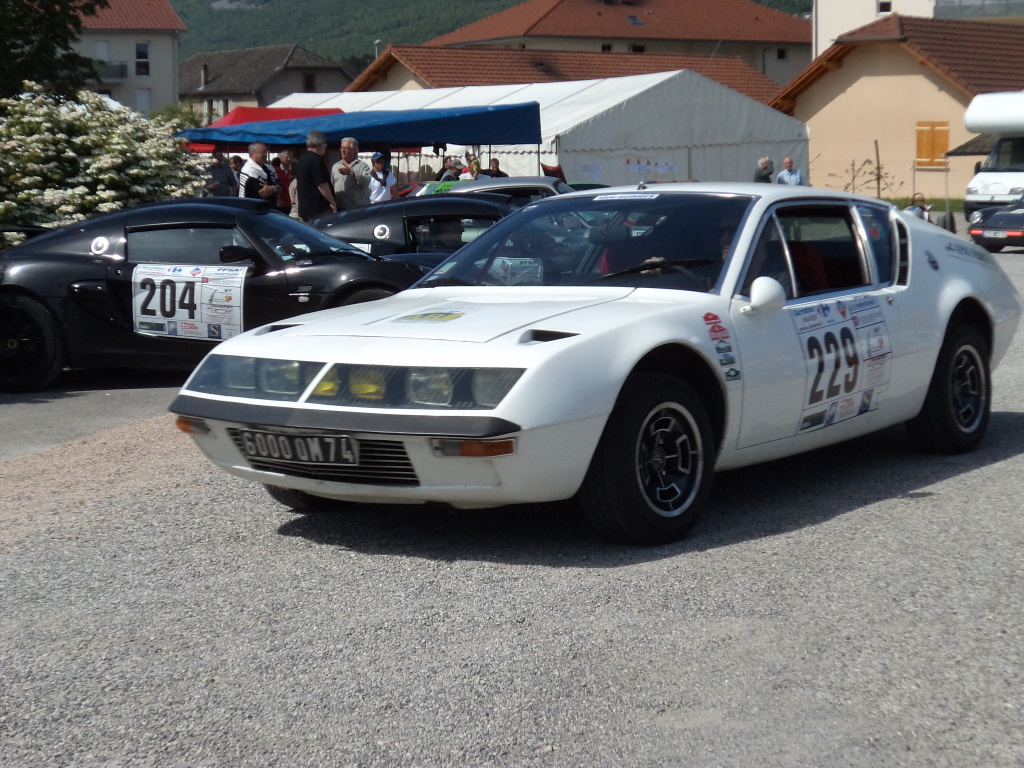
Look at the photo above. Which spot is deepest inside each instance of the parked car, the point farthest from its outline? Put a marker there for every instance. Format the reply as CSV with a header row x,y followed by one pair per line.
x,y
619,346
423,229
996,227
521,190
160,284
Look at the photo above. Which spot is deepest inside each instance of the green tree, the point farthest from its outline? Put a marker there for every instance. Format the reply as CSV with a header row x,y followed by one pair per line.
x,y
38,36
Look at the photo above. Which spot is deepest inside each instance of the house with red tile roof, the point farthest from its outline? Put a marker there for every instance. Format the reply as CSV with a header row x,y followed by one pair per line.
x,y
217,82
136,42
776,44
403,67
891,95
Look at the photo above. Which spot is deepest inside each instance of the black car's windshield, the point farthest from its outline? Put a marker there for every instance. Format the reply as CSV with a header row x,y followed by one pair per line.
x,y
291,239
644,238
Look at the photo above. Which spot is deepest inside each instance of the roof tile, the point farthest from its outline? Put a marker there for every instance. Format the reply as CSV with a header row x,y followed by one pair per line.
x,y
135,14
443,67
716,20
244,70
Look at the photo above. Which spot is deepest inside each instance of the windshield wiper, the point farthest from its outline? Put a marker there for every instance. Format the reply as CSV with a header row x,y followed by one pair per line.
x,y
653,267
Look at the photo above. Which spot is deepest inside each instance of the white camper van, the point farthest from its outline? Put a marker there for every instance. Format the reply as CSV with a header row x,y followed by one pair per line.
x,y
1000,179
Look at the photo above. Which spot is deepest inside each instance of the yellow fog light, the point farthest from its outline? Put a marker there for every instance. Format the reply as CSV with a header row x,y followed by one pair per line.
x,y
328,386
366,383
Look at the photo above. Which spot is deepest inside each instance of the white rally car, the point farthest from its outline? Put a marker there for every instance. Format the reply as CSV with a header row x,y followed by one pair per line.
x,y
618,346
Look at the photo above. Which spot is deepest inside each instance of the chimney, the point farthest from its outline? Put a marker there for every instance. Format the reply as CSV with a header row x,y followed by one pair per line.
x,y
204,76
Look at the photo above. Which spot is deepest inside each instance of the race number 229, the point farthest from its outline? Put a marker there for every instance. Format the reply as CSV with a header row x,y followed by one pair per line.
x,y
836,363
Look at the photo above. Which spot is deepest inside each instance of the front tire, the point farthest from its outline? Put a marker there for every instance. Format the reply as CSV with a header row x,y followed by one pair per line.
x,y
956,409
31,351
651,474
304,502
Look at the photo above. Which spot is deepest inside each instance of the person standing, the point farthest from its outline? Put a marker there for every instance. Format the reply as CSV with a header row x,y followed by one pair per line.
x,y
223,182
495,171
257,179
350,177
472,165
451,173
444,168
313,194
789,174
765,169
285,173
382,180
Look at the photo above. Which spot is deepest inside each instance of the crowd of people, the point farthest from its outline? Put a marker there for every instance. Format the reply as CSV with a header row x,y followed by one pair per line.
x,y
308,189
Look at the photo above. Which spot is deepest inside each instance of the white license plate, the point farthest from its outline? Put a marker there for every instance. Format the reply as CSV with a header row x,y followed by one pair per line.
x,y
995,234
299,448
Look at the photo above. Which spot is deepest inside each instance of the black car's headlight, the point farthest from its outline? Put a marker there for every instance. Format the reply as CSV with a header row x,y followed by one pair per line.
x,y
975,217
364,386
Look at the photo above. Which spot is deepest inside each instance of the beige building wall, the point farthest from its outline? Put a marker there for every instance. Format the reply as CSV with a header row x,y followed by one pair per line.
x,y
121,77
882,93
833,18
399,78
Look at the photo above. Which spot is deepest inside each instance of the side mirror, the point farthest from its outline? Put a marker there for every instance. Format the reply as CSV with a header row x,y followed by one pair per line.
x,y
230,254
766,295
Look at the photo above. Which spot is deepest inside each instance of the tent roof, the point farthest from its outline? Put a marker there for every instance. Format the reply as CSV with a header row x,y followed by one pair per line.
x,y
517,123
669,105
254,114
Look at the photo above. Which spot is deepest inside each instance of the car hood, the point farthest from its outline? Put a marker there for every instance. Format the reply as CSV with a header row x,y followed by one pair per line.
x,y
1010,216
454,314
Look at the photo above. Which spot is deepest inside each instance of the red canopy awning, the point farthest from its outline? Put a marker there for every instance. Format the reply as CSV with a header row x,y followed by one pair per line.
x,y
255,115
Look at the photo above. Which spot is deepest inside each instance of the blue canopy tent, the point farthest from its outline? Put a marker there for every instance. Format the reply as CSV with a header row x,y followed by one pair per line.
x,y
494,124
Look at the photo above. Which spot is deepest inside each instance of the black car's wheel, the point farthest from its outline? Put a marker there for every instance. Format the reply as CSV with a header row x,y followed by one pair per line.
x,y
301,501
956,409
651,474
992,248
366,294
31,355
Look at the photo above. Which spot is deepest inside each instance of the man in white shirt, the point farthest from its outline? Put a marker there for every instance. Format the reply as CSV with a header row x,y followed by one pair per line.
x,y
790,175
382,180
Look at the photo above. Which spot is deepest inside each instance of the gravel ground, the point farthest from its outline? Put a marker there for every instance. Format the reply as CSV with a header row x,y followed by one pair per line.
x,y
859,606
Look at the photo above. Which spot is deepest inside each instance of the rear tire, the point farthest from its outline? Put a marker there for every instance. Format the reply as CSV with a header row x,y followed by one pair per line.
x,y
31,351
651,474
366,294
947,221
301,501
956,409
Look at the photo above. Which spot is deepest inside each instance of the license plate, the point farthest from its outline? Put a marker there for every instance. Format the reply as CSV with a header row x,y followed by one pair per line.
x,y
299,448
995,233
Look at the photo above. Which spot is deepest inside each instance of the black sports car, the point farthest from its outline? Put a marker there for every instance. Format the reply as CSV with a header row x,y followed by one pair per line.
x,y
998,227
158,285
425,228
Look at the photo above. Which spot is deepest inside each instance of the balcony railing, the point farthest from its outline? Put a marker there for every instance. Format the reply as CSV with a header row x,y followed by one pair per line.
x,y
109,71
978,9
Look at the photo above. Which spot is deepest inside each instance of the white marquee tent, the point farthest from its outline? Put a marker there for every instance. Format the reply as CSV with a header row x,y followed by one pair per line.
x,y
666,126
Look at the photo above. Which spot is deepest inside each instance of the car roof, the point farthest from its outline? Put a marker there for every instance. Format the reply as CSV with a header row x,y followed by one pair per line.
x,y
510,181
768,192
431,205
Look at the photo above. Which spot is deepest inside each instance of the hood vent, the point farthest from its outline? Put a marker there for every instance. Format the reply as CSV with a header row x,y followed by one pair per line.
x,y
535,335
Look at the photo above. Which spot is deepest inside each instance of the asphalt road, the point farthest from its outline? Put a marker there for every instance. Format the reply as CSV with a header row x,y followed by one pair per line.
x,y
858,606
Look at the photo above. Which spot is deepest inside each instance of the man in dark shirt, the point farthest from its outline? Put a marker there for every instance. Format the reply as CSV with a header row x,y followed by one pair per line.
x,y
313,181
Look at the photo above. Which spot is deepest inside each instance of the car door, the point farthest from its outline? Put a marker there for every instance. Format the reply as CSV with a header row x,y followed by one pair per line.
x,y
820,365
175,290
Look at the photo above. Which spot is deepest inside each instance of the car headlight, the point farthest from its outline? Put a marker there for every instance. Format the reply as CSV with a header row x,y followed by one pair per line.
x,y
395,387
975,217
262,379
972,190
1017,191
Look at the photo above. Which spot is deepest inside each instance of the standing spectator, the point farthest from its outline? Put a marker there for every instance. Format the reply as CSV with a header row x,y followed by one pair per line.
x,y
285,173
473,165
223,182
350,177
257,179
451,173
495,171
236,164
444,167
382,180
313,194
789,174
765,169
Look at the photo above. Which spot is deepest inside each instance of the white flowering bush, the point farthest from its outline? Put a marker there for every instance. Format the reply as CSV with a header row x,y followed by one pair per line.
x,y
62,161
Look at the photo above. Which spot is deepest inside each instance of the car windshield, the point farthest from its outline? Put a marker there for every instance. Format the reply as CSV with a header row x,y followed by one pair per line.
x,y
291,239
643,238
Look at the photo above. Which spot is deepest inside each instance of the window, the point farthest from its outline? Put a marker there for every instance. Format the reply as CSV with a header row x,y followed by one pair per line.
x,y
884,6
809,250
633,48
781,54
932,143
880,238
195,245
309,82
142,59
605,47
